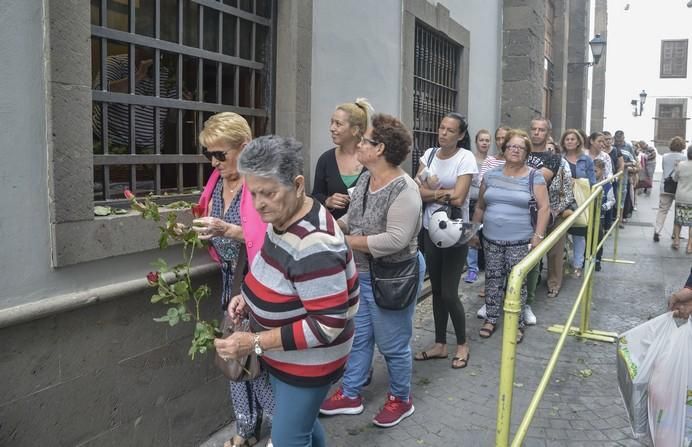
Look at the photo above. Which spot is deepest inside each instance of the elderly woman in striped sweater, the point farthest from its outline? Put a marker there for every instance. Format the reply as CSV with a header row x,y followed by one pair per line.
x,y
301,293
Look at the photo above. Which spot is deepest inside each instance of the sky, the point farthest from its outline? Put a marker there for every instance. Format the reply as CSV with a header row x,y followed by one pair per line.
x,y
633,62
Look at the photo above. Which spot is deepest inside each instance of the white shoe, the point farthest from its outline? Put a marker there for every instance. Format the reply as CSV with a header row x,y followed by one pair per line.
x,y
529,316
482,313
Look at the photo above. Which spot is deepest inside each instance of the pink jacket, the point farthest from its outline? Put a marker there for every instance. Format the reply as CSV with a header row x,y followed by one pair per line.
x,y
251,223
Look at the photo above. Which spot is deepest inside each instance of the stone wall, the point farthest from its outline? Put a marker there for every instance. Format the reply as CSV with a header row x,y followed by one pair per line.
x,y
106,374
522,64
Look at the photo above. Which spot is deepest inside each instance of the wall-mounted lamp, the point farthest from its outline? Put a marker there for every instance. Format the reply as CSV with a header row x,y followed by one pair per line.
x,y
597,45
642,100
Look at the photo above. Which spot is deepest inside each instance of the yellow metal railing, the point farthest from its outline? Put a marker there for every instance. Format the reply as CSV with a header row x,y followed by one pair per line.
x,y
512,308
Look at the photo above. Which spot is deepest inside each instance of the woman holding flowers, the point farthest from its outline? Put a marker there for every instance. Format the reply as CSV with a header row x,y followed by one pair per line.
x,y
229,219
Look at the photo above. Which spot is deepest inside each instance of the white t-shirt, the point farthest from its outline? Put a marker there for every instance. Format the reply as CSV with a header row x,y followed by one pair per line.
x,y
447,171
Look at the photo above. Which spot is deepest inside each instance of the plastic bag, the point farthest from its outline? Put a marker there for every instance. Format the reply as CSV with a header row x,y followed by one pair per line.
x,y
670,389
637,349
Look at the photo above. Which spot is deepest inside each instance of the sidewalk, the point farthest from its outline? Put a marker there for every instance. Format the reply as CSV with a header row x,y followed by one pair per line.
x,y
458,407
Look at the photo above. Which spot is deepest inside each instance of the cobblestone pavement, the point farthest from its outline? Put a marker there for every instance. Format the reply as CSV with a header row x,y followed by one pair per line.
x,y
458,407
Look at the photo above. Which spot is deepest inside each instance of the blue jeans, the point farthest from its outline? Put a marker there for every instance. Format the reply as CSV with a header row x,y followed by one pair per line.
x,y
579,243
291,428
391,330
472,259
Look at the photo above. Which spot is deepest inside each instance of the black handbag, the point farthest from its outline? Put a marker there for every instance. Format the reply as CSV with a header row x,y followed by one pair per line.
x,y
453,212
394,284
670,186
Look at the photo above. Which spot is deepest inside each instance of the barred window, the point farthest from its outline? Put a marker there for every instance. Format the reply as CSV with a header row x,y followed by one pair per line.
x,y
159,69
671,122
435,86
674,58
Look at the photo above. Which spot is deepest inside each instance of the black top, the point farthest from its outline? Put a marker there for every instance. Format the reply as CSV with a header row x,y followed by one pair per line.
x,y
545,159
614,155
328,181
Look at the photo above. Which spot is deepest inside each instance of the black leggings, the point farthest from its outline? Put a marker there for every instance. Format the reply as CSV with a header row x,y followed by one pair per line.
x,y
444,267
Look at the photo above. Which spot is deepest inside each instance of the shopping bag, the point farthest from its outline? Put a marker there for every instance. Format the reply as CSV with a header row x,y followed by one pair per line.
x,y
582,190
670,390
636,351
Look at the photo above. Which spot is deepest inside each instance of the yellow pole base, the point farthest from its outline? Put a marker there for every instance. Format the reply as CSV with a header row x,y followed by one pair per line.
x,y
617,261
604,336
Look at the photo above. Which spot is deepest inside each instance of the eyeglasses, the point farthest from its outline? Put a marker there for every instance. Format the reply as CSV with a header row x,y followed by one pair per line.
x,y
369,141
515,147
219,155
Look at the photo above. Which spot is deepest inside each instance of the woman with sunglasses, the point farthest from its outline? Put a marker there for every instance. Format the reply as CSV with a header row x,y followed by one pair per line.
x,y
338,169
229,219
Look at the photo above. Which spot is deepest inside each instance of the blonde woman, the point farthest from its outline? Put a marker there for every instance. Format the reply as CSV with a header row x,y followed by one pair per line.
x,y
338,169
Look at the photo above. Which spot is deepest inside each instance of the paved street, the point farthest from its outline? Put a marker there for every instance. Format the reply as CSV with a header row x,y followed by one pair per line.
x,y
458,407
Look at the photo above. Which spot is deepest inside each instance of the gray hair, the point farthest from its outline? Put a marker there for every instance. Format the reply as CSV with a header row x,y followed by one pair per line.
x,y
274,157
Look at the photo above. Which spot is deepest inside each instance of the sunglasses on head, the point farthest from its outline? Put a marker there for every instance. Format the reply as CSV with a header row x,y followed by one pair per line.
x,y
219,155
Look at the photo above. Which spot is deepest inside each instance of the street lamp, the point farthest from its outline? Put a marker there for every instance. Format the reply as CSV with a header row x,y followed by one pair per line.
x,y
642,100
597,45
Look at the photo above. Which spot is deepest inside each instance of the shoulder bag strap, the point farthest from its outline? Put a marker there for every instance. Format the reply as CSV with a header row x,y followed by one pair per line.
x,y
532,174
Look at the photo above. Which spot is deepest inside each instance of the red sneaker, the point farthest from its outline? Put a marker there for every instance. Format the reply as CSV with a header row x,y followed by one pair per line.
x,y
394,411
340,404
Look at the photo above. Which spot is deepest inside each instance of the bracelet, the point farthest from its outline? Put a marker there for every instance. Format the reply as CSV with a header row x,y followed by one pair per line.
x,y
539,236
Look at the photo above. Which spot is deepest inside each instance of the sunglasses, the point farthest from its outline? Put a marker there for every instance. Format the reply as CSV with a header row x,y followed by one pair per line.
x,y
219,155
369,141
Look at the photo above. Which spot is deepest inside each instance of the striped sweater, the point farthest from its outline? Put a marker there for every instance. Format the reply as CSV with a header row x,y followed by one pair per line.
x,y
304,281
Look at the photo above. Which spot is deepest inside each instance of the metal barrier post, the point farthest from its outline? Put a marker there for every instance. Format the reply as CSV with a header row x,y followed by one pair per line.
x,y
618,202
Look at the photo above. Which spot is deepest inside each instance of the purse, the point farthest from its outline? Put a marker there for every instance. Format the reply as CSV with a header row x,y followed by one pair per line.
x,y
242,369
394,284
582,190
247,367
670,186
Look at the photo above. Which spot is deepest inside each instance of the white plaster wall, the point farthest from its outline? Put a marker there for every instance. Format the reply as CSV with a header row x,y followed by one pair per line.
x,y
634,58
356,52
483,19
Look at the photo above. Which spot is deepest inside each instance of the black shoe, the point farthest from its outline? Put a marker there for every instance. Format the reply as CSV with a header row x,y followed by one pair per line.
x,y
598,266
656,238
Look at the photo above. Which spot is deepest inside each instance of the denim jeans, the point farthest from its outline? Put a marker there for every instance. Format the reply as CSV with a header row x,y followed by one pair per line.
x,y
291,428
472,259
579,243
391,331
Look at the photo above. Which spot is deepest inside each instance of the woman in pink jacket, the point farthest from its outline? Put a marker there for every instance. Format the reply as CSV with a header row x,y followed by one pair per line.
x,y
230,220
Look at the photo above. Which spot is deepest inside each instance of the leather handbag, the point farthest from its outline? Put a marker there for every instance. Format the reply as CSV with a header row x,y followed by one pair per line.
x,y
242,369
247,367
394,284
670,186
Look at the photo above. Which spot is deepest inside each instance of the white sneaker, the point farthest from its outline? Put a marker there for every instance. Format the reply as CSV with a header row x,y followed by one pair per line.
x,y
482,313
529,316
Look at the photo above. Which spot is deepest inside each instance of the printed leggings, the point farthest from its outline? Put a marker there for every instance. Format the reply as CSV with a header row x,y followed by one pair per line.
x,y
500,257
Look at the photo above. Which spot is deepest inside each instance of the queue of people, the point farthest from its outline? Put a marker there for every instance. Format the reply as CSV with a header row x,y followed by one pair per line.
x,y
310,290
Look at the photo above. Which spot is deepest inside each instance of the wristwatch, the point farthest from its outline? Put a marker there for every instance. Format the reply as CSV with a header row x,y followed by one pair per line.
x,y
258,348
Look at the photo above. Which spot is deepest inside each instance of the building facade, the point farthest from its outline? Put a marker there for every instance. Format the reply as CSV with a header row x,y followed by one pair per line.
x,y
106,95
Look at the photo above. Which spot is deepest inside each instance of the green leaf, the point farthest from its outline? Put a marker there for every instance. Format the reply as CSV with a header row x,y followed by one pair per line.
x,y
163,240
180,289
173,321
161,265
156,298
161,319
202,292
119,211
102,210
172,312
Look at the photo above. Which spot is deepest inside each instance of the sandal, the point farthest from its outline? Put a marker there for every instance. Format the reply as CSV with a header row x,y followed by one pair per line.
x,y
552,293
487,330
239,441
520,335
481,293
675,245
423,355
460,363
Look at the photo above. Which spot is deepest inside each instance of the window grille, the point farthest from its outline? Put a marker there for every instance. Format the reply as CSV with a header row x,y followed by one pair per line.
x,y
671,122
160,68
435,86
674,58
